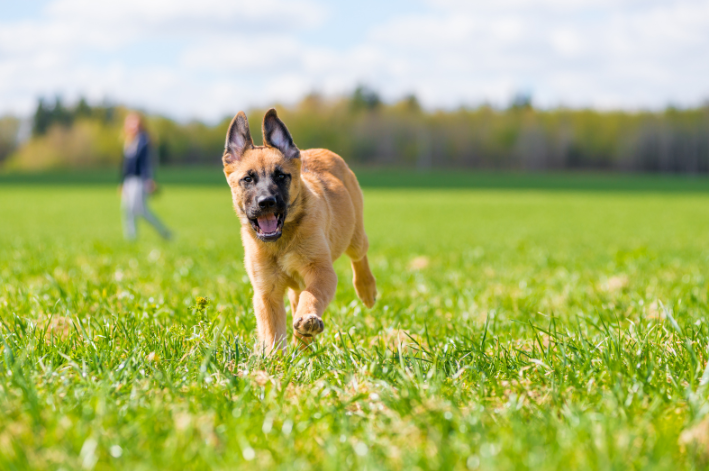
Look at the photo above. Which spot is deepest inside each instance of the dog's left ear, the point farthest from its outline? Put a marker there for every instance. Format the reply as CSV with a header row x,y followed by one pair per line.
x,y
275,134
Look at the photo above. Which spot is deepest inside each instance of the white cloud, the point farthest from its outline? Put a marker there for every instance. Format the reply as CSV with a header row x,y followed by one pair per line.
x,y
210,58
242,53
179,17
85,47
566,42
601,53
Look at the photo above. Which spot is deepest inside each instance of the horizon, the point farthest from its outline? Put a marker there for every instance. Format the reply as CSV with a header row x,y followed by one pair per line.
x,y
50,102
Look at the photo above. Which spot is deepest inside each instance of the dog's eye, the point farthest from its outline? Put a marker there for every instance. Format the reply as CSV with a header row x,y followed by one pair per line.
x,y
248,179
281,176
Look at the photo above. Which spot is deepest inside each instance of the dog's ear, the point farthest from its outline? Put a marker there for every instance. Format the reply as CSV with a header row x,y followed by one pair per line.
x,y
238,139
275,134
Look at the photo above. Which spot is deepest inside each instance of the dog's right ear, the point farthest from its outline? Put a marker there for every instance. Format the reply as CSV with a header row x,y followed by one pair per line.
x,y
238,139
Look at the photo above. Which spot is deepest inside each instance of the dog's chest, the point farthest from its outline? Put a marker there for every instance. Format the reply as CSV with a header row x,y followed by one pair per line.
x,y
290,265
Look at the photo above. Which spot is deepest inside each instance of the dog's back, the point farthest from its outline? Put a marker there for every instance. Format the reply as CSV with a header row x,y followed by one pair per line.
x,y
340,200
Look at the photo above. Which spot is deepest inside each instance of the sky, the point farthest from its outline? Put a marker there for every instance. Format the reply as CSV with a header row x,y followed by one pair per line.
x,y
211,58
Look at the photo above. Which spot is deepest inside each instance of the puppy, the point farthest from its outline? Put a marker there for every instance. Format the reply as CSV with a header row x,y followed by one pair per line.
x,y
299,211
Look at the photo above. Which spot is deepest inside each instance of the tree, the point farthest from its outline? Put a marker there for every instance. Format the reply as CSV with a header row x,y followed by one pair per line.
x,y
521,101
82,109
365,98
42,119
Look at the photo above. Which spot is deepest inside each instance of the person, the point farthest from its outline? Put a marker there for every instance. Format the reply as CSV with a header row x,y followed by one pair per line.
x,y
137,178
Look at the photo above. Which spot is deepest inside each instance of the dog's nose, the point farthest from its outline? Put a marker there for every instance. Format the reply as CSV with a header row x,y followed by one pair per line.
x,y
266,202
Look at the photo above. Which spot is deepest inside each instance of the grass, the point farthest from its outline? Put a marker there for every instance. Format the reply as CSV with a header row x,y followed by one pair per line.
x,y
375,177
517,328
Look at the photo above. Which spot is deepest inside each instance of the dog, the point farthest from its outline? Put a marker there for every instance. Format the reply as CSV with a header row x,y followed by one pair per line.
x,y
299,211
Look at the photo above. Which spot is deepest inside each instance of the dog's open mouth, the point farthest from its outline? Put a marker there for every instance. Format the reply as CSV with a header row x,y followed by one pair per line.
x,y
268,226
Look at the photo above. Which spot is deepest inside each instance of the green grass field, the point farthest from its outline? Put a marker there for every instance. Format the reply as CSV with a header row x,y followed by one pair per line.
x,y
519,326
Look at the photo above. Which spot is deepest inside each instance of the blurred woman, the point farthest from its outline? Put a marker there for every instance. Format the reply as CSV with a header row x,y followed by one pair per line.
x,y
137,178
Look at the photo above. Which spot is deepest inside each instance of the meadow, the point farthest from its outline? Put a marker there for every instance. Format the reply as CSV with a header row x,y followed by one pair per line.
x,y
544,322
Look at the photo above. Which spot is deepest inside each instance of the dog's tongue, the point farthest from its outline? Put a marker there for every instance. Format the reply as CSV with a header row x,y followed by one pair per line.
x,y
268,224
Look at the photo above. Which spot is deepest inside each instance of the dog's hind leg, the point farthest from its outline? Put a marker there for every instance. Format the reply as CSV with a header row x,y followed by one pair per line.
x,y
293,296
364,283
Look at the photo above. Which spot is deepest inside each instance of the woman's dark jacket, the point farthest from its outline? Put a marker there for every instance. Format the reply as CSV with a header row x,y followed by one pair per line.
x,y
136,159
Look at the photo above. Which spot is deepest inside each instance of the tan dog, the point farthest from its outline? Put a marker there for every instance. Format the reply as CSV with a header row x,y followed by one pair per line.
x,y
299,211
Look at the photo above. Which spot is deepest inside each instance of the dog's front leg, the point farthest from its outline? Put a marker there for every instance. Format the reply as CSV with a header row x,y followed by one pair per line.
x,y
320,285
269,290
270,320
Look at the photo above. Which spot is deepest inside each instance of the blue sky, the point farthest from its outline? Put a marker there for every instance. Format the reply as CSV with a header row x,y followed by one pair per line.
x,y
211,58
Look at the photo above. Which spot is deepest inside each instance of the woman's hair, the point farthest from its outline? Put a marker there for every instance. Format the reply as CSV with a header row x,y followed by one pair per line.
x,y
133,124
134,115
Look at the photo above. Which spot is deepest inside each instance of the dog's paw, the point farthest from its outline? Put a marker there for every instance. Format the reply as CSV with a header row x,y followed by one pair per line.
x,y
366,291
309,326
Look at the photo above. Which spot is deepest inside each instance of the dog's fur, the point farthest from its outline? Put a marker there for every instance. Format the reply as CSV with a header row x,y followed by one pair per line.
x,y
317,204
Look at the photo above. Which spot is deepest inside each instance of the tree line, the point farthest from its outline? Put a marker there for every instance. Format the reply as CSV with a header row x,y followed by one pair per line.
x,y
365,130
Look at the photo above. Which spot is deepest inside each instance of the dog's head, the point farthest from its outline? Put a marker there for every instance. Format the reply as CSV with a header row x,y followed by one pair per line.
x,y
264,180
